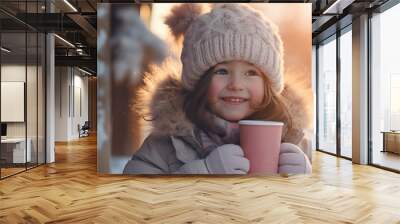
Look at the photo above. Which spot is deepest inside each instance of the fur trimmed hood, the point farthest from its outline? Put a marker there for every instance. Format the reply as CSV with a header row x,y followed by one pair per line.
x,y
160,103
160,99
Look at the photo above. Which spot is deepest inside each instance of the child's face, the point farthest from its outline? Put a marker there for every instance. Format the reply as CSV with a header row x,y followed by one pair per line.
x,y
236,88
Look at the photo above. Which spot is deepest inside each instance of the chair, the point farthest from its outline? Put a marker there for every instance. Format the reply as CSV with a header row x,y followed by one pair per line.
x,y
84,130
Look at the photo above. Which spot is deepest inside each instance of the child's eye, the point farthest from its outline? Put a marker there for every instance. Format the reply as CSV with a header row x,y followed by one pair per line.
x,y
221,71
251,73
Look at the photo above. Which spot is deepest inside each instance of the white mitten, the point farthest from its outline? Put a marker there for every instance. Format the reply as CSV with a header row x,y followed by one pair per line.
x,y
292,160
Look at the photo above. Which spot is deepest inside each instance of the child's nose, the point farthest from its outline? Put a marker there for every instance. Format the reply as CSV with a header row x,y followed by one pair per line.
x,y
235,83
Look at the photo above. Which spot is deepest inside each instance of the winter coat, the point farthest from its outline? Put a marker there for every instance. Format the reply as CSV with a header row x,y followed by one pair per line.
x,y
171,142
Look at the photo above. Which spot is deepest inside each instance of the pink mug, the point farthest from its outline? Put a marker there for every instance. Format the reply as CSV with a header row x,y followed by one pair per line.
x,y
261,141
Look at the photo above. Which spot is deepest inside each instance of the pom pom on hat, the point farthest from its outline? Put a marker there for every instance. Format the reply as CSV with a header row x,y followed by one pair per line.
x,y
182,16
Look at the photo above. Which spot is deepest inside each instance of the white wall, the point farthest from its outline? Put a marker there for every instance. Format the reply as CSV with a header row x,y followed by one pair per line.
x,y
80,89
61,103
33,127
71,93
12,73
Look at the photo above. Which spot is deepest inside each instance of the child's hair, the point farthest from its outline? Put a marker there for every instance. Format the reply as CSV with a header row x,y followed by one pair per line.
x,y
195,101
273,106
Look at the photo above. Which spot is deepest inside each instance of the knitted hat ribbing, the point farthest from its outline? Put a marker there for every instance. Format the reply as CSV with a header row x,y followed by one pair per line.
x,y
230,32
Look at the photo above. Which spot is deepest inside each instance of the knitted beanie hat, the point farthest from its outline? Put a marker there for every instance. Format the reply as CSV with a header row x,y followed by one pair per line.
x,y
228,32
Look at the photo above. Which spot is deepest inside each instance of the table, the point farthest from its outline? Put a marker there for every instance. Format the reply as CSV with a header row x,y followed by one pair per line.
x,y
13,150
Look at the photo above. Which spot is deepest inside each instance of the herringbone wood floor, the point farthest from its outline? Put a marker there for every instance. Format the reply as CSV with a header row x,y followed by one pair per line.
x,y
70,191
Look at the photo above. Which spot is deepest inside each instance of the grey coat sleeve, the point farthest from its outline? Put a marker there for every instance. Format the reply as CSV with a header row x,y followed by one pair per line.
x,y
158,155
152,157
138,166
193,167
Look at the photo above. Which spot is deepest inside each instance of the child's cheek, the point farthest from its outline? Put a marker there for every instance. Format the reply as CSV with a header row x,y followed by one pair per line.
x,y
257,94
215,88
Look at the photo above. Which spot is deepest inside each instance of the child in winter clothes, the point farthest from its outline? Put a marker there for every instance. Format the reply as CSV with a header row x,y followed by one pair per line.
x,y
232,61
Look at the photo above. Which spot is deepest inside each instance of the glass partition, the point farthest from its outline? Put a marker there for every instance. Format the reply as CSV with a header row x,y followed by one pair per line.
x,y
41,85
22,89
14,153
31,100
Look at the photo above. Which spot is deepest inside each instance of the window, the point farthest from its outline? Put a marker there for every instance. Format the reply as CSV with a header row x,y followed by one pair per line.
x,y
327,96
346,93
385,85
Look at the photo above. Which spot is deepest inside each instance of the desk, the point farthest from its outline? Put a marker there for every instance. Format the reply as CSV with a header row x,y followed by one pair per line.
x,y
391,141
13,150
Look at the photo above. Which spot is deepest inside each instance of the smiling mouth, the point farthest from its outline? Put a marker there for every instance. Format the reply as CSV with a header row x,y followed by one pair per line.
x,y
234,100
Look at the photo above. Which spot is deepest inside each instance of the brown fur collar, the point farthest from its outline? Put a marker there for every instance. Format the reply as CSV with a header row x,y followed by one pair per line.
x,y
160,101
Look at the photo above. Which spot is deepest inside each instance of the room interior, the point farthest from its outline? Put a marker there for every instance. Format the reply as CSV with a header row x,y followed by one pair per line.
x,y
49,89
